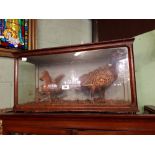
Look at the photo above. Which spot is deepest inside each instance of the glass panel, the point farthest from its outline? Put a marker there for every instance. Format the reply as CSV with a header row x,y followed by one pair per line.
x,y
97,76
14,33
26,83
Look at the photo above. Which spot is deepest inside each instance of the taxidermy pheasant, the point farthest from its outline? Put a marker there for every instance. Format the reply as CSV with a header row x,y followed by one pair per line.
x,y
99,79
51,86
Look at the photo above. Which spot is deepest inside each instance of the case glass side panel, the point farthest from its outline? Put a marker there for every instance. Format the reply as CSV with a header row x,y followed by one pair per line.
x,y
26,83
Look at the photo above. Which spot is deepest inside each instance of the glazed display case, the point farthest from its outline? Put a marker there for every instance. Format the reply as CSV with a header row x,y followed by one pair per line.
x,y
96,77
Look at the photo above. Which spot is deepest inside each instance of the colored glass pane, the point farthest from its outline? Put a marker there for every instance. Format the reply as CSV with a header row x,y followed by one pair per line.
x,y
14,33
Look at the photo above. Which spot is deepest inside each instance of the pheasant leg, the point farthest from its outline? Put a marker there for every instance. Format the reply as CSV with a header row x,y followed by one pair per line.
x,y
92,91
103,94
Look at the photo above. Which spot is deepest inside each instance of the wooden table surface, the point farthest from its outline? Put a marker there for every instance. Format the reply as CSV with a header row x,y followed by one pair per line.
x,y
77,123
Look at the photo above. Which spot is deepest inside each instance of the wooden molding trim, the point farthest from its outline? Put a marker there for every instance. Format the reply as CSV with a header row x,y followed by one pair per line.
x,y
75,48
32,34
1,131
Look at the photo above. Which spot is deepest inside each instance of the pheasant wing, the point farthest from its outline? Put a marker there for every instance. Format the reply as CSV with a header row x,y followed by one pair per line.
x,y
59,78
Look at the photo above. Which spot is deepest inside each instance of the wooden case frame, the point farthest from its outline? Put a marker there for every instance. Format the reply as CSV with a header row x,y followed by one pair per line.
x,y
36,107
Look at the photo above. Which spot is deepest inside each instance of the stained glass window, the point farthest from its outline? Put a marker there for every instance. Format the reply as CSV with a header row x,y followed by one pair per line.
x,y
14,33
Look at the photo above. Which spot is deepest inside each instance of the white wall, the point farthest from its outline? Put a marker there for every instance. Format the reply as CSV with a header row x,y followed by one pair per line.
x,y
6,83
60,32
144,52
